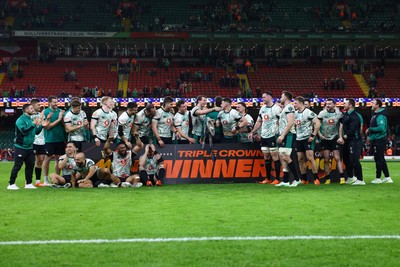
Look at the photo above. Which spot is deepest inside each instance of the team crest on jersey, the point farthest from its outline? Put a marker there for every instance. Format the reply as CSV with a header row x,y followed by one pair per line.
x,y
168,121
266,117
298,122
331,121
224,122
106,123
123,162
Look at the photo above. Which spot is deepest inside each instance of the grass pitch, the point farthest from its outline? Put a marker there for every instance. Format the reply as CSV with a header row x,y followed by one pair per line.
x,y
210,210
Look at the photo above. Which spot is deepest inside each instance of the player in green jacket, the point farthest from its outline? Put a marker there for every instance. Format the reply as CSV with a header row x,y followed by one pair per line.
x,y
377,133
25,130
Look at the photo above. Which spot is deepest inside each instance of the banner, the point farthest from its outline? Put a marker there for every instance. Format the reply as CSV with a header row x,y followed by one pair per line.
x,y
158,35
226,163
71,34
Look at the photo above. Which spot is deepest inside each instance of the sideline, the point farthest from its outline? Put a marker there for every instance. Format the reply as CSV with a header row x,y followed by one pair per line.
x,y
198,239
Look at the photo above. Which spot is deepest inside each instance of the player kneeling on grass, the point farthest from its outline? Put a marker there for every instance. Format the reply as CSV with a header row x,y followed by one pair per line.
x,y
121,162
87,175
66,164
151,167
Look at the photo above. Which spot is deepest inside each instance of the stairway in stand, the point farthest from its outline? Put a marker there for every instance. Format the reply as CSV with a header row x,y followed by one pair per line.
x,y
362,83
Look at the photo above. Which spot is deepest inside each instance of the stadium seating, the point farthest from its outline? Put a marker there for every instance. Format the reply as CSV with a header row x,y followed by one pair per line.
x,y
388,85
210,88
299,78
304,80
283,14
48,78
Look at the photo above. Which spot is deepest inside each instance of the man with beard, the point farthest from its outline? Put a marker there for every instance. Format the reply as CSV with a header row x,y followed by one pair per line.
x,y
87,175
125,122
307,127
286,140
54,135
38,145
268,122
151,167
76,123
162,124
181,122
142,123
244,131
231,121
121,162
25,130
352,143
66,164
329,134
377,133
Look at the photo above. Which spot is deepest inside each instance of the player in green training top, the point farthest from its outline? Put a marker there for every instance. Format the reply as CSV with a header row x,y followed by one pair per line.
x,y
25,130
377,133
54,136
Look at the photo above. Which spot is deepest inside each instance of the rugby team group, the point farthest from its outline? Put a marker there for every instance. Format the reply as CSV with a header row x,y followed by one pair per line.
x,y
286,129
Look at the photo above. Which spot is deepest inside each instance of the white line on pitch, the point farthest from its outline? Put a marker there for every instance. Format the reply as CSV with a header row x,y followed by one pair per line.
x,y
196,239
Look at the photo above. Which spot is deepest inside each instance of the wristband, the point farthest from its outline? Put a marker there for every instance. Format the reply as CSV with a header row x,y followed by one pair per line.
x,y
312,135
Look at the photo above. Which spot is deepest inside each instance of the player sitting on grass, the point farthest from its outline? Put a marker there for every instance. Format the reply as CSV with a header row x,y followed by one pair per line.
x,y
151,167
66,164
121,162
87,175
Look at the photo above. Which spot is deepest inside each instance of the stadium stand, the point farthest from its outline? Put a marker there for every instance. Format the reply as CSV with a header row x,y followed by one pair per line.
x,y
304,80
218,15
48,78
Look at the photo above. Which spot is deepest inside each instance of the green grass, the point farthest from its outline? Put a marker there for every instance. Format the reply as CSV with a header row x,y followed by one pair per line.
x,y
202,211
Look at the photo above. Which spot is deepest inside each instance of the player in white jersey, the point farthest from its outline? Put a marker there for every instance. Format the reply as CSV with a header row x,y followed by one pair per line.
x,y
142,123
181,123
101,121
125,122
39,143
268,122
121,162
151,167
86,174
76,123
231,122
198,114
329,134
286,139
307,127
244,131
162,123
114,122
66,163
